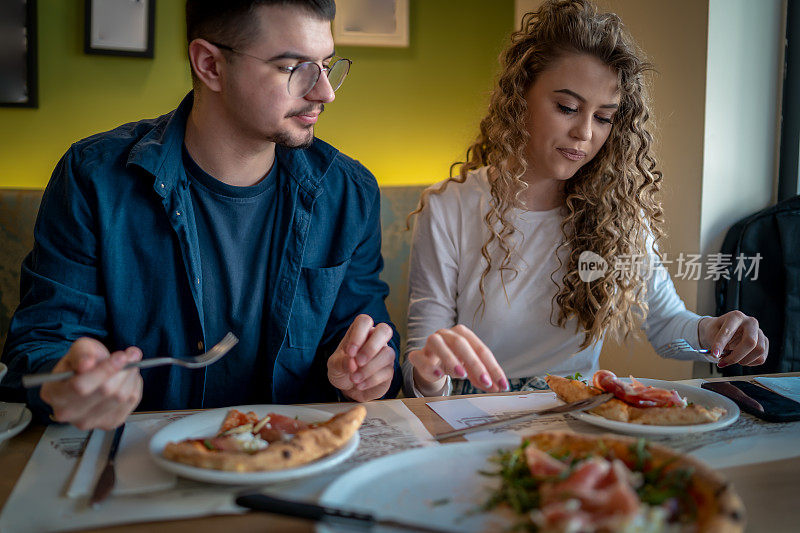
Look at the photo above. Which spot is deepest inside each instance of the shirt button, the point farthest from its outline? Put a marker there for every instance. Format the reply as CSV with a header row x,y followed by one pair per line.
x,y
200,345
197,280
162,185
177,213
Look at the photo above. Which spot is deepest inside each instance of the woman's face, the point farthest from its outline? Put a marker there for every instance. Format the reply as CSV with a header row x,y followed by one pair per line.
x,y
571,108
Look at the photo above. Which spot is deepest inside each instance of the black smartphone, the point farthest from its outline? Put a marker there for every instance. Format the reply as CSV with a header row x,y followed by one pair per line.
x,y
757,400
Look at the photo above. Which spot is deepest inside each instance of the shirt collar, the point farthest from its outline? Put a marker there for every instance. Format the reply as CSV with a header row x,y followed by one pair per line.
x,y
159,152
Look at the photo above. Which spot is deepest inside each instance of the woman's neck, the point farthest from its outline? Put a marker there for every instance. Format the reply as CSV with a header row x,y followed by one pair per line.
x,y
542,194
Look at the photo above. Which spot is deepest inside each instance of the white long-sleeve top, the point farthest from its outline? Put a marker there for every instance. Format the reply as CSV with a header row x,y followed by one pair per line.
x,y
444,277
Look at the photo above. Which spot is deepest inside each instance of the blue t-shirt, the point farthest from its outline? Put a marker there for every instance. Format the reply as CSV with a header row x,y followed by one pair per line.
x,y
234,230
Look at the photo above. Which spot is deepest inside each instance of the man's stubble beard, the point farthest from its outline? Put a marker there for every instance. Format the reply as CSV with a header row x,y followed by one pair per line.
x,y
287,141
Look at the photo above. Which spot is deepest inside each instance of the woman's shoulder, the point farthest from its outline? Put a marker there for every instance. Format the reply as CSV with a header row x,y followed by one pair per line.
x,y
456,193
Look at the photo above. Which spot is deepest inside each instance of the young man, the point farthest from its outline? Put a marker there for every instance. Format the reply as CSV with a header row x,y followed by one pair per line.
x,y
160,236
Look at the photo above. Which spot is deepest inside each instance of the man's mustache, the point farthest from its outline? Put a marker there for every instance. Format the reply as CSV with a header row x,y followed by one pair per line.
x,y
307,111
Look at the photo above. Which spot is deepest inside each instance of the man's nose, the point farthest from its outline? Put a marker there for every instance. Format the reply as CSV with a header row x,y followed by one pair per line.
x,y
322,90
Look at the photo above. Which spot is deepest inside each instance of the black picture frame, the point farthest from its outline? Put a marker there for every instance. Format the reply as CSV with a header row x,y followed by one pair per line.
x,y
19,79
141,46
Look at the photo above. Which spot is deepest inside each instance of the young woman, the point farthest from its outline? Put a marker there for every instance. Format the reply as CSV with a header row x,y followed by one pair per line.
x,y
563,166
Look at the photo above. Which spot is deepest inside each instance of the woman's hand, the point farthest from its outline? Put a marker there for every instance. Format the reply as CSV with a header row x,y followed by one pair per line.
x,y
457,352
735,333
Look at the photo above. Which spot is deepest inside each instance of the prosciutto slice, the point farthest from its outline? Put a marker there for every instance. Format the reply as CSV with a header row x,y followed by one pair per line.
x,y
635,393
597,494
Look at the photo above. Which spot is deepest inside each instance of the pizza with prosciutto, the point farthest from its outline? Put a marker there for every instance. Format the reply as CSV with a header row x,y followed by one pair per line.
x,y
634,402
563,482
245,443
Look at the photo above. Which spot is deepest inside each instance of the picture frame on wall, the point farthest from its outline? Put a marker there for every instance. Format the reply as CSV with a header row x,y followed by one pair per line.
x,y
120,27
19,80
371,23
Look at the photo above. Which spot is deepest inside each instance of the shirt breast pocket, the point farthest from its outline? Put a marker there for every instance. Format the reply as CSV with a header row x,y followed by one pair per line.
x,y
317,289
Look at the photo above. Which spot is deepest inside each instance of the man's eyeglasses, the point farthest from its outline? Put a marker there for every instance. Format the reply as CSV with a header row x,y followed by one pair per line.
x,y
305,75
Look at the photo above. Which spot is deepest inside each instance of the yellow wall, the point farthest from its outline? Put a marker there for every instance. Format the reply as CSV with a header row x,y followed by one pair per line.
x,y
405,113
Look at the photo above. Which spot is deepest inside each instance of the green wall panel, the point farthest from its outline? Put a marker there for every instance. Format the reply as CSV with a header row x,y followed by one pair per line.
x,y
405,113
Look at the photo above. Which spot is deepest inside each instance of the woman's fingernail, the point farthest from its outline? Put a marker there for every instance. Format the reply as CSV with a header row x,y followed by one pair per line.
x,y
438,373
486,380
460,372
716,352
503,384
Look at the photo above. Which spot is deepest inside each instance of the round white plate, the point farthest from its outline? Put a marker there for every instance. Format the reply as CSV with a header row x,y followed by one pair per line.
x,y
207,424
21,424
435,486
706,398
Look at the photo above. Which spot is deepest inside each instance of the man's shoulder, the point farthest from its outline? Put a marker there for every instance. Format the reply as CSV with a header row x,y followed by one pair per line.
x,y
117,142
345,169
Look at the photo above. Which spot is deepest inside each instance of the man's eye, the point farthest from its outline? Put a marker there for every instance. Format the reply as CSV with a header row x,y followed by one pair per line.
x,y
566,110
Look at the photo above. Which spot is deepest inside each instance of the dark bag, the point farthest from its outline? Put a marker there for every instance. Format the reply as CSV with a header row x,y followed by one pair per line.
x,y
773,298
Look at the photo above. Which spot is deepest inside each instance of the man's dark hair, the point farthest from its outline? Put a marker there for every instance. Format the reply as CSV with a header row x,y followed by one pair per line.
x,y
232,22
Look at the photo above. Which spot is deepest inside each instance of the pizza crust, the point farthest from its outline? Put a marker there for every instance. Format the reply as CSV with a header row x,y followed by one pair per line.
x,y
572,390
305,446
719,508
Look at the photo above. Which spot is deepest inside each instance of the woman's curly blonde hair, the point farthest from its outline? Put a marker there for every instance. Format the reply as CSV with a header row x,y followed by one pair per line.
x,y
610,204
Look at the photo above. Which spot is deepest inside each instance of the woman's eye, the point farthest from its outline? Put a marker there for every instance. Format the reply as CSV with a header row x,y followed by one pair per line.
x,y
566,110
603,120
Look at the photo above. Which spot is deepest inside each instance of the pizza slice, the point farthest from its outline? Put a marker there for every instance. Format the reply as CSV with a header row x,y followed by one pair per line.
x,y
634,402
559,481
245,443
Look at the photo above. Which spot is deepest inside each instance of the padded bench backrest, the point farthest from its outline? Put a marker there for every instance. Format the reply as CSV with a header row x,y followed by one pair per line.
x,y
18,209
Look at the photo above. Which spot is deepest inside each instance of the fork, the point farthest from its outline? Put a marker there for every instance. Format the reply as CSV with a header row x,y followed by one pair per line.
x,y
681,349
199,361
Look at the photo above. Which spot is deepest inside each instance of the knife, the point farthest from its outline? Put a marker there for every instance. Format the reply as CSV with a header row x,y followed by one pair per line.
x,y
332,516
580,405
107,477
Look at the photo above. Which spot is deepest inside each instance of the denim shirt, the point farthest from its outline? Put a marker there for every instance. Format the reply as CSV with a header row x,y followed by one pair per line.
x,y
116,258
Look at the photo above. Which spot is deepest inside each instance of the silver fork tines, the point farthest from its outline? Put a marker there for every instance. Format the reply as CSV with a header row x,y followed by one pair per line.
x,y
204,359
681,349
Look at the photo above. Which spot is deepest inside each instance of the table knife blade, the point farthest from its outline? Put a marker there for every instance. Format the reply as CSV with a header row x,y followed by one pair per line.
x,y
580,405
107,477
349,520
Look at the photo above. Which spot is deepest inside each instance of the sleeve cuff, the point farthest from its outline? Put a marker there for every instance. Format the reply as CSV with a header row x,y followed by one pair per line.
x,y
411,390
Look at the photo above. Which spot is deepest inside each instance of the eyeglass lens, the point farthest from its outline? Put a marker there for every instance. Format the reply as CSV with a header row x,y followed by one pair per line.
x,y
305,76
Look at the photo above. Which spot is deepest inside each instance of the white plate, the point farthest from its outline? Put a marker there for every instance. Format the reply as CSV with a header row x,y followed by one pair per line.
x,y
207,424
412,486
21,424
703,397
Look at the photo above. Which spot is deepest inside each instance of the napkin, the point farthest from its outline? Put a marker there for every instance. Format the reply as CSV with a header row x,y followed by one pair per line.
x,y
10,415
136,472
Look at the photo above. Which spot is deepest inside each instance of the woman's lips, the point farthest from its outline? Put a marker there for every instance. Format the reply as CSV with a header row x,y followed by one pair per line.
x,y
572,155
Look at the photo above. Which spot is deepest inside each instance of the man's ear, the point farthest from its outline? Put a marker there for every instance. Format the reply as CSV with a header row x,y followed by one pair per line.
x,y
207,61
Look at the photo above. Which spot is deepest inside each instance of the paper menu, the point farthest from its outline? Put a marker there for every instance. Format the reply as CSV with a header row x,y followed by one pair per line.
x,y
785,386
465,412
